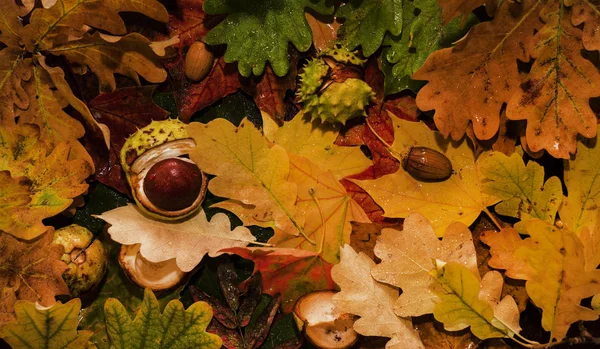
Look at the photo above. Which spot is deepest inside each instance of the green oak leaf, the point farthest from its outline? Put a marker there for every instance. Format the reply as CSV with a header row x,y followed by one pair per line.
x,y
53,327
367,21
521,188
422,34
174,328
257,31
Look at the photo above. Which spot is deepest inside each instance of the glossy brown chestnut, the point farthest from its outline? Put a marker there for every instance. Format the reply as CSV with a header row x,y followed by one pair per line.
x,y
173,184
426,164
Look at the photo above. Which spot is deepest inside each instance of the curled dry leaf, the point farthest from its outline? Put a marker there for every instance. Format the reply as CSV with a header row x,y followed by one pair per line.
x,y
187,241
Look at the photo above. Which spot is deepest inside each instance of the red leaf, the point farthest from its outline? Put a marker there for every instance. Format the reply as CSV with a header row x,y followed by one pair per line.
x,y
290,272
190,22
123,112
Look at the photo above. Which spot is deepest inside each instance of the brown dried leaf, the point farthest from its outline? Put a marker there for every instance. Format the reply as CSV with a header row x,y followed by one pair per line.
x,y
33,269
324,29
453,8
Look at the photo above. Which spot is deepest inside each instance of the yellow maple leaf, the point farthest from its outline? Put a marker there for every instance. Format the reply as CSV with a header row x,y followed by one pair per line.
x,y
553,263
315,141
327,209
53,180
457,199
249,172
373,301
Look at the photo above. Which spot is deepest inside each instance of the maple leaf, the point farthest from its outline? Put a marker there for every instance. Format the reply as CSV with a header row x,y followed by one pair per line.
x,y
521,189
367,22
553,97
373,301
187,241
124,111
457,199
416,250
248,172
173,327
32,269
421,35
259,31
52,180
327,209
553,263
7,305
288,271
54,327
315,141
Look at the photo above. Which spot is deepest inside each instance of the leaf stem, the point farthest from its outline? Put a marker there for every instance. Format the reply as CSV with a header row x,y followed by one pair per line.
x,y
392,151
493,218
323,225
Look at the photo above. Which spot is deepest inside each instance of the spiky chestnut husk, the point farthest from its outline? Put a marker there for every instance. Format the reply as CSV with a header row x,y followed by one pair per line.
x,y
331,101
148,146
86,262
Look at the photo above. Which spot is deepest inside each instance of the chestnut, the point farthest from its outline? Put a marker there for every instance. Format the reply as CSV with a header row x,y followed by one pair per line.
x,y
173,184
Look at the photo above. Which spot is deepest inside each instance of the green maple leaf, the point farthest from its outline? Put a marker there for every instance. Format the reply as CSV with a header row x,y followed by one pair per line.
x,y
521,187
174,328
423,33
258,31
54,327
367,21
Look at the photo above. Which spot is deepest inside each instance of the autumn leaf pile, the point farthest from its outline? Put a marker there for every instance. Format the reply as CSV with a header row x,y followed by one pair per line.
x,y
504,252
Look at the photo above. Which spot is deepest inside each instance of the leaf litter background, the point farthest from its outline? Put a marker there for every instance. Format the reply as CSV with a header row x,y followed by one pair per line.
x,y
528,74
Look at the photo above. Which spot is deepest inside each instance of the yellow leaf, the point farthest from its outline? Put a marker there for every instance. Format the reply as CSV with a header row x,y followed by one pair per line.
x,y
186,241
150,8
407,258
553,263
10,25
129,55
54,179
373,301
465,302
457,199
327,209
314,140
248,172
14,195
68,17
13,71
521,189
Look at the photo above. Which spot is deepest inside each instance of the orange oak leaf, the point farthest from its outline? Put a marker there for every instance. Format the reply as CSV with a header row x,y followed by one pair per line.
x,y
584,12
288,271
453,8
32,269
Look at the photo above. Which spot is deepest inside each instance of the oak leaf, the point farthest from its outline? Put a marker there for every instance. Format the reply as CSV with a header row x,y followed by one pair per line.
x,y
52,180
457,199
453,8
187,241
54,327
373,301
32,269
174,327
290,272
315,141
521,188
150,8
407,258
553,263
258,31
251,174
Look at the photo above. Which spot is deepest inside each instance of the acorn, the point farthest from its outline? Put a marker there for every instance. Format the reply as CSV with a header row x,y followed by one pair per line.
x,y
426,164
198,62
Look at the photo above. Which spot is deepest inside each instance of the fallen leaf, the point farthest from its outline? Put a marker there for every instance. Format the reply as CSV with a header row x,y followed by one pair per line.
x,y
32,269
189,22
373,301
521,188
457,199
248,172
288,271
552,261
408,256
252,41
150,8
123,111
52,180
366,23
315,141
324,30
326,208
187,241
7,306
586,14
173,327
54,327
435,337
453,8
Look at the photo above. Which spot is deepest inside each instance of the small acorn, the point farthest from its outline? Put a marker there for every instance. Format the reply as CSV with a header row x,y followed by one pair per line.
x,y
426,164
198,62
